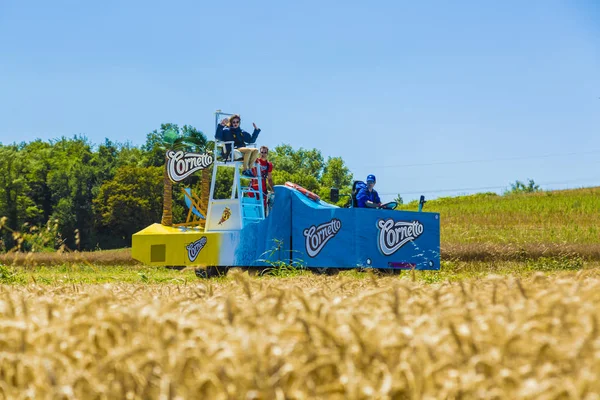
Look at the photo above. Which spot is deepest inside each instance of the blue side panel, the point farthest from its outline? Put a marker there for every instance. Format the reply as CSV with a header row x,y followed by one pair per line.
x,y
311,204
399,239
317,234
268,241
322,236
346,238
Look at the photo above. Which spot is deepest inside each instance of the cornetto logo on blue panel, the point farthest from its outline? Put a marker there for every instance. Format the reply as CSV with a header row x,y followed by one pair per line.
x,y
316,237
395,234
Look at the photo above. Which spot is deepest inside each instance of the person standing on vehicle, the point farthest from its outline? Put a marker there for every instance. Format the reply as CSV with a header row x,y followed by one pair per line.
x,y
368,197
265,167
229,130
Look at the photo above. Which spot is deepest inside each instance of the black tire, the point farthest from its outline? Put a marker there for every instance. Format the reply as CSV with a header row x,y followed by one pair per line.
x,y
257,271
325,271
175,267
388,272
201,273
379,271
212,271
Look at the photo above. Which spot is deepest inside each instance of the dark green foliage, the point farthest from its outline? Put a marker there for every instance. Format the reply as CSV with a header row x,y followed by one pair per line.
x,y
128,203
71,181
302,161
15,201
307,169
520,187
57,181
97,196
335,174
224,183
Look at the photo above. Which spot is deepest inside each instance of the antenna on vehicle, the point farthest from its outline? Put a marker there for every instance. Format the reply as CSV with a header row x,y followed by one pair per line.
x,y
422,202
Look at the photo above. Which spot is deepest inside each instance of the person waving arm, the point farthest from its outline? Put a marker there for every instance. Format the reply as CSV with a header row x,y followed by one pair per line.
x,y
251,138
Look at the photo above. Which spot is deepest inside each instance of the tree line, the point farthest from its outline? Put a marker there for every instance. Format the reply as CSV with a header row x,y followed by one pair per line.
x,y
86,196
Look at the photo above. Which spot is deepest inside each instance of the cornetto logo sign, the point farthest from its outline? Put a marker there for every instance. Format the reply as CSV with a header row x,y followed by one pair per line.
x,y
316,237
180,165
395,234
194,248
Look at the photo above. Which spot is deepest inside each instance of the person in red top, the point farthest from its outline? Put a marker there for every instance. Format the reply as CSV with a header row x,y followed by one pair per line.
x,y
266,167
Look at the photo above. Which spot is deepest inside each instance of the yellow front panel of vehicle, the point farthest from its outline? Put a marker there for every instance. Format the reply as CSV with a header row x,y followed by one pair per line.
x,y
160,245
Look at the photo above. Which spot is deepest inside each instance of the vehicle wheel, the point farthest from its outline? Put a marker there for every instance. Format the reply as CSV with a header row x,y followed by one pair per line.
x,y
325,271
389,272
256,271
211,272
201,273
319,271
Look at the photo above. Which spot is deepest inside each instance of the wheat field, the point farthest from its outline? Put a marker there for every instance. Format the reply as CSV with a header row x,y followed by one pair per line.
x,y
305,337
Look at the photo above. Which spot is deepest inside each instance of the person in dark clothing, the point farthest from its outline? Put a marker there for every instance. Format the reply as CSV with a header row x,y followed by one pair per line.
x,y
229,130
368,197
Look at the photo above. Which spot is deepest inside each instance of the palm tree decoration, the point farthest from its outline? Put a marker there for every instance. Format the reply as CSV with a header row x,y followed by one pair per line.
x,y
190,138
205,179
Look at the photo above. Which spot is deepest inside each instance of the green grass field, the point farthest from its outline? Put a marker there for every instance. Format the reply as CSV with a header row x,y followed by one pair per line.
x,y
518,226
451,271
553,217
524,228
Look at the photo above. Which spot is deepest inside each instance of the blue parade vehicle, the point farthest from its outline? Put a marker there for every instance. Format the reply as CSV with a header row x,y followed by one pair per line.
x,y
296,228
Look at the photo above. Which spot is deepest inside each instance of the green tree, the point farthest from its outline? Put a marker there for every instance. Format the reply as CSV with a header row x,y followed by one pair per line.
x,y
224,183
105,160
39,156
520,187
303,167
303,161
336,174
72,180
128,203
15,201
306,168
129,155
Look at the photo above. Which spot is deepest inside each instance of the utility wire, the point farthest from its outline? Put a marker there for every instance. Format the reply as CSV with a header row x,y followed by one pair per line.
x,y
483,160
481,188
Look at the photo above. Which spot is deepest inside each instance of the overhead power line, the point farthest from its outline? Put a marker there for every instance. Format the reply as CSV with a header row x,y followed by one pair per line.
x,y
484,160
484,187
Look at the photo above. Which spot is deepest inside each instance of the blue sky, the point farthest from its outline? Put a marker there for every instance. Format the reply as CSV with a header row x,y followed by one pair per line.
x,y
441,98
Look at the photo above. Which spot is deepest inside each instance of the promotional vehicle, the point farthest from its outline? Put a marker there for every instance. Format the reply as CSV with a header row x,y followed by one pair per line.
x,y
297,228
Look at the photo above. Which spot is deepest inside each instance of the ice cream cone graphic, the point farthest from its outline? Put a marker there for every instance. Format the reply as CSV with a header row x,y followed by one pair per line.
x,y
225,216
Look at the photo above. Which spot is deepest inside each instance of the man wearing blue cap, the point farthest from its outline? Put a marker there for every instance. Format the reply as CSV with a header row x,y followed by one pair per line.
x,y
368,197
